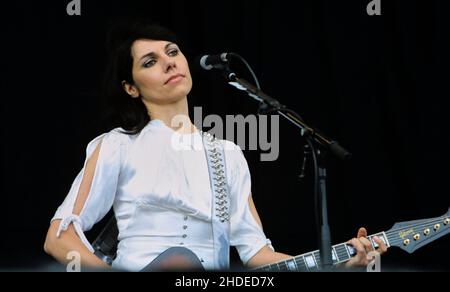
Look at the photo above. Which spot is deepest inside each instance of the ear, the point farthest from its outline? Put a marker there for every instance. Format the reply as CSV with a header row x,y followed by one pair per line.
x,y
131,90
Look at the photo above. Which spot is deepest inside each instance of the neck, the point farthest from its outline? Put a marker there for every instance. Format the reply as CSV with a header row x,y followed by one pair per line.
x,y
174,115
311,261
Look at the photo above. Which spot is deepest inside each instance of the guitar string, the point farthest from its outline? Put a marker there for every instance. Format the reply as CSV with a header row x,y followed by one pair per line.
x,y
432,221
390,232
304,265
423,225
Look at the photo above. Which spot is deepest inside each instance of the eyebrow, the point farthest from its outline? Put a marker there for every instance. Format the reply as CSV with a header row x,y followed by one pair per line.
x,y
151,53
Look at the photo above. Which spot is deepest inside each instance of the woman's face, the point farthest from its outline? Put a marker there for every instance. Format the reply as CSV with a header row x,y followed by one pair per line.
x,y
160,72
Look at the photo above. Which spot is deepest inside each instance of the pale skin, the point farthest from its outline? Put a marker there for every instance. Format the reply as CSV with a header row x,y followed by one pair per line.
x,y
154,64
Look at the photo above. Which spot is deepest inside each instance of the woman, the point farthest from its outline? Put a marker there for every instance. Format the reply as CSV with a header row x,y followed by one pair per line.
x,y
161,196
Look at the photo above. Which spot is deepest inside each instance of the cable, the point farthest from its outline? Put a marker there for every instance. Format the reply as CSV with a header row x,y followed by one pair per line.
x,y
248,67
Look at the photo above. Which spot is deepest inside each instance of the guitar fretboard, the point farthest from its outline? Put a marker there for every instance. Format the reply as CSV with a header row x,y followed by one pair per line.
x,y
310,262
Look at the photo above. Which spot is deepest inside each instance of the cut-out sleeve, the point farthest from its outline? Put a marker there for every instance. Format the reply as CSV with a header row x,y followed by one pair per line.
x,y
102,189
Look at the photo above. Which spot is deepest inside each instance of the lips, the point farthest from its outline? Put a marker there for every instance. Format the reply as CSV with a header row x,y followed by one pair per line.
x,y
174,77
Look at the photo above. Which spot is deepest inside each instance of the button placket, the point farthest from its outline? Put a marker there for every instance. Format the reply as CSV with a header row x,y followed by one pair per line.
x,y
184,228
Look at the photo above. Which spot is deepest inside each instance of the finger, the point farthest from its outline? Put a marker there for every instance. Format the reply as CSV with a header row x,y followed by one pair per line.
x,y
362,232
357,244
382,248
360,258
367,244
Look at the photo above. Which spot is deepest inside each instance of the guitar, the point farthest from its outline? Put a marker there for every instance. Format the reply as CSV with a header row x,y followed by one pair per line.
x,y
408,235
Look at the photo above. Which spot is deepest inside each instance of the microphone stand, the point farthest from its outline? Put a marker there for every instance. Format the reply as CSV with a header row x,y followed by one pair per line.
x,y
316,142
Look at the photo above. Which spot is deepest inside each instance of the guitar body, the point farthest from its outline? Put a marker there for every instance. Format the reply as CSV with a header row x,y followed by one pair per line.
x,y
175,259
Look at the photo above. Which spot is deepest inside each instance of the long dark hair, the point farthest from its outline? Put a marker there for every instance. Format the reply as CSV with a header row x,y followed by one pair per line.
x,y
121,110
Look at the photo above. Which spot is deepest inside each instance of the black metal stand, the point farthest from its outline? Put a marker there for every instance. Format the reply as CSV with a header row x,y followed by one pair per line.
x,y
322,211
317,142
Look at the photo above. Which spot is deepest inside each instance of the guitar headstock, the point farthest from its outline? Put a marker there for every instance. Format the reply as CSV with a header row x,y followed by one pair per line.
x,y
412,235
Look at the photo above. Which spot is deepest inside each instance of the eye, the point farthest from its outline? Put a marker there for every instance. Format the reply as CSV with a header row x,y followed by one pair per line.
x,y
173,52
149,63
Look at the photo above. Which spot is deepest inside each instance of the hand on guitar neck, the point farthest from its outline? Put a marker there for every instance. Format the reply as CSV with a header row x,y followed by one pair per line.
x,y
363,246
408,236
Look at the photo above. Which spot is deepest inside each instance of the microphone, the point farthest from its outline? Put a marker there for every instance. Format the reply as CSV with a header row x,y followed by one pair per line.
x,y
209,62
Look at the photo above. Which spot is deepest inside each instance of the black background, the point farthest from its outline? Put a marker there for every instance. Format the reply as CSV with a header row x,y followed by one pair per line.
x,y
377,84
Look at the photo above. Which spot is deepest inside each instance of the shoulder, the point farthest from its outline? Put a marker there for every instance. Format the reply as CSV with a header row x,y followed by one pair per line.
x,y
119,136
112,140
230,146
237,168
233,154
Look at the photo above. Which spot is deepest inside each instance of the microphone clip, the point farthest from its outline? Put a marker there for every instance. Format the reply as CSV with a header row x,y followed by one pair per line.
x,y
306,152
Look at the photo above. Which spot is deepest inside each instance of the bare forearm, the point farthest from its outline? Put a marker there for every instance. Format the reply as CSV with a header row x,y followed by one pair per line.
x,y
68,242
266,256
61,252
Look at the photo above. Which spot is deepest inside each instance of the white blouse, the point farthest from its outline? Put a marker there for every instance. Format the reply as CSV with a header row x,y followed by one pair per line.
x,y
158,183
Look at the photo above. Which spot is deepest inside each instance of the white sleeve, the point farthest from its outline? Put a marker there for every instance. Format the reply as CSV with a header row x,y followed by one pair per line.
x,y
245,233
102,190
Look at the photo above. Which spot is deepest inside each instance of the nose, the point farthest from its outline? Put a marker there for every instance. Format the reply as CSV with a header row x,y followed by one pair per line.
x,y
169,64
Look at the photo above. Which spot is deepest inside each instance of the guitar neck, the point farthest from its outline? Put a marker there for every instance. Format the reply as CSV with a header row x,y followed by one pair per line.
x,y
311,261
408,235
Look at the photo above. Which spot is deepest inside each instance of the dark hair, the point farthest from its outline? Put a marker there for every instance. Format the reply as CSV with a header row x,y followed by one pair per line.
x,y
121,109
